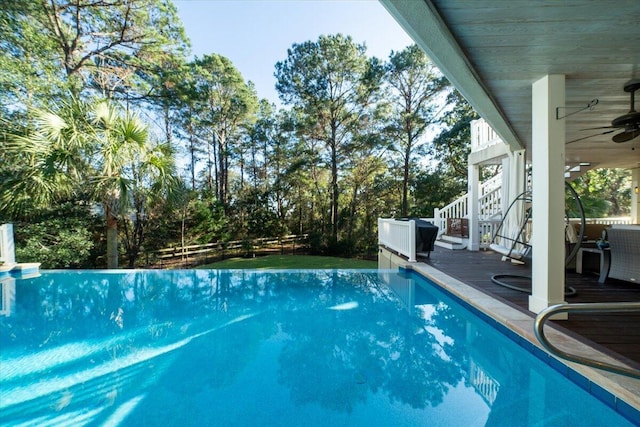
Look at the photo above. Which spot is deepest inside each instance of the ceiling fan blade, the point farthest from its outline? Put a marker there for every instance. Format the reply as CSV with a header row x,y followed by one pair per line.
x,y
602,127
590,136
625,136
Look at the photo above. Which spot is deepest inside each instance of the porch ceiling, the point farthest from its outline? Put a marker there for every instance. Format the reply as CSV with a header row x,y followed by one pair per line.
x,y
493,50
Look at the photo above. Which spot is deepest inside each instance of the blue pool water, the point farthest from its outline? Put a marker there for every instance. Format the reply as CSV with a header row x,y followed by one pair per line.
x,y
208,347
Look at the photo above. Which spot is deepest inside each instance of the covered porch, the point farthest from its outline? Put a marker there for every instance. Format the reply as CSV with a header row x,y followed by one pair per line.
x,y
543,75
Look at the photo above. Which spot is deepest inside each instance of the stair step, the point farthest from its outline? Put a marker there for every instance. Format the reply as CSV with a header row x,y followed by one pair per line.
x,y
453,239
450,245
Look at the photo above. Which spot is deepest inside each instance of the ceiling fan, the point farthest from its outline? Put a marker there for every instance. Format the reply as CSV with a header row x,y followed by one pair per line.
x,y
630,122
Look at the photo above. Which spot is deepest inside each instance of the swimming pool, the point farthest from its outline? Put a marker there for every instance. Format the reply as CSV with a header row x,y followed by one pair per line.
x,y
209,347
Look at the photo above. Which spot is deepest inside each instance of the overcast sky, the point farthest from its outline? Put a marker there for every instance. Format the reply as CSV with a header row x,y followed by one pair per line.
x,y
255,34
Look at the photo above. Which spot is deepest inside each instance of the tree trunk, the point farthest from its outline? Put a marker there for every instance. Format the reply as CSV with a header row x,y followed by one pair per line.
x,y
407,166
192,153
334,190
210,164
112,239
222,171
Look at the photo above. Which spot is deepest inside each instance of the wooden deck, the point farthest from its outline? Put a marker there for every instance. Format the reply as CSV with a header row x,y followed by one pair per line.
x,y
616,334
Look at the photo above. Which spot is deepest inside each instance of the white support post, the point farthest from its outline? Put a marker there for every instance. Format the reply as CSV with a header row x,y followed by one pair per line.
x,y
412,241
436,220
506,185
548,158
516,174
635,196
7,249
473,179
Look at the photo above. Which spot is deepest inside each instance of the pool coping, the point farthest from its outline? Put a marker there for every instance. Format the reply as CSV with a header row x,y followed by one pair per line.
x,y
19,270
618,392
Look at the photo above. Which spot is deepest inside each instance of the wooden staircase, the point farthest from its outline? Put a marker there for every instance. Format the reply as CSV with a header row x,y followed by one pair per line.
x,y
452,242
456,235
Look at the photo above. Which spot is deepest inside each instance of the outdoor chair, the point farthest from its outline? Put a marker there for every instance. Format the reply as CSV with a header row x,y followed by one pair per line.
x,y
624,247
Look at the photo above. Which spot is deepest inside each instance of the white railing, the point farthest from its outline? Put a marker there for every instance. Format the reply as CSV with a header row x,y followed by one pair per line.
x,y
608,221
493,183
7,250
487,229
459,208
483,136
399,236
490,204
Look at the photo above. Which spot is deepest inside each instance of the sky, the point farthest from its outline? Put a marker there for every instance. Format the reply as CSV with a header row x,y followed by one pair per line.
x,y
255,34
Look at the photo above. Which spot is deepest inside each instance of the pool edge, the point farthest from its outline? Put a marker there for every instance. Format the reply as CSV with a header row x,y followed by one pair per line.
x,y
619,392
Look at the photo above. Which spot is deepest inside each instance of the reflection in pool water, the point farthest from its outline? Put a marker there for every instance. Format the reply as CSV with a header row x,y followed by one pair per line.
x,y
208,347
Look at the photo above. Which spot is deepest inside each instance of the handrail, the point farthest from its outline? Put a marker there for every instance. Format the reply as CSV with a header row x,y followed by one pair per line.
x,y
595,307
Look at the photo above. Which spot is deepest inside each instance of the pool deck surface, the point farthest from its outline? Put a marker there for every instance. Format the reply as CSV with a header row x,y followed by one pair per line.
x,y
613,338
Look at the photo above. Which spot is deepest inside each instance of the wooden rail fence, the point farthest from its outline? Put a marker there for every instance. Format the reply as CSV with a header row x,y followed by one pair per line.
x,y
185,256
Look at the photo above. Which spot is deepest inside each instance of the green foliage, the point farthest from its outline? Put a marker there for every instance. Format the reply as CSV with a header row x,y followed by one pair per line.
x,y
112,49
348,148
435,189
255,218
331,83
216,105
58,238
29,75
91,148
415,93
604,192
208,222
57,248
452,146
45,159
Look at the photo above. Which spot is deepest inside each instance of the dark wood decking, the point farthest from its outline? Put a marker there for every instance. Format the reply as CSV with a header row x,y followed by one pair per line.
x,y
616,334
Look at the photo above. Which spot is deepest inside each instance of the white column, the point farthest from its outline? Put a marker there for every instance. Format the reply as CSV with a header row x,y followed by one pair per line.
x,y
516,187
473,194
635,197
517,160
548,159
506,185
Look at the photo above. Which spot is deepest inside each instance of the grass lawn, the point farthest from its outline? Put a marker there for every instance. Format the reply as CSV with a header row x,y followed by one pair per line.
x,y
273,262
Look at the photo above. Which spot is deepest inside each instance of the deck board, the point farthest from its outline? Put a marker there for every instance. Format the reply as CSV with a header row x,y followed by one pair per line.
x,y
616,334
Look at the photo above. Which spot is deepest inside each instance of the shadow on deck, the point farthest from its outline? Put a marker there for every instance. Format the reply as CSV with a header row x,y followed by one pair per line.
x,y
615,334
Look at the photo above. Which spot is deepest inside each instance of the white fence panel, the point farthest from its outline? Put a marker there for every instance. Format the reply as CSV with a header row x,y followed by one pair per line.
x,y
7,250
399,236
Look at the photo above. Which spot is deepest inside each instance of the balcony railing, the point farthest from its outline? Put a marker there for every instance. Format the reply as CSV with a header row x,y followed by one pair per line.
x,y
483,136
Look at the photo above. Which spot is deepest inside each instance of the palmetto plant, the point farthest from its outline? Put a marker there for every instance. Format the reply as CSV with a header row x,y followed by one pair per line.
x,y
43,162
91,148
118,141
